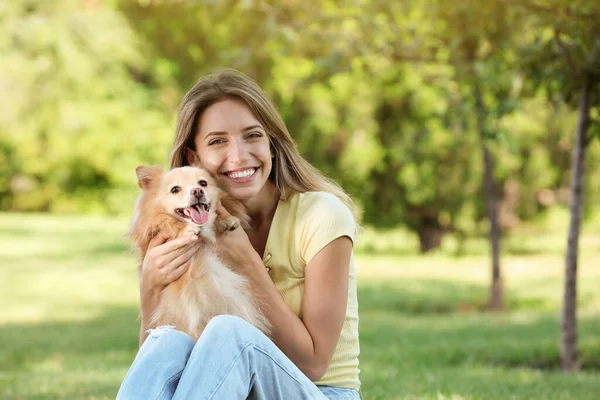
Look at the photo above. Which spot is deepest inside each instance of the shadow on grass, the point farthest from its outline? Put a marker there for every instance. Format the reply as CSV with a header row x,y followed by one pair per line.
x,y
442,323
437,296
421,296
115,329
70,359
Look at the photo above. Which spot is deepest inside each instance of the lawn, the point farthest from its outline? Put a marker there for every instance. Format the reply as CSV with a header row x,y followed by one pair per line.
x,y
68,323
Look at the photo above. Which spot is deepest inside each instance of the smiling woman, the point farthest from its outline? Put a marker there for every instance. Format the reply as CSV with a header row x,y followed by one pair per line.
x,y
235,149
296,254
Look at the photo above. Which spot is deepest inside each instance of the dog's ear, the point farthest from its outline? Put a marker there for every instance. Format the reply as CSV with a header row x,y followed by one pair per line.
x,y
148,175
235,208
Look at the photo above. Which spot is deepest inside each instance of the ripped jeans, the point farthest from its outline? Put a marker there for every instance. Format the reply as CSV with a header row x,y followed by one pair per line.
x,y
231,360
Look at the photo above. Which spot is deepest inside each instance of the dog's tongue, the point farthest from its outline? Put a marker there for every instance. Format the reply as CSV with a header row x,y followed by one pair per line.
x,y
198,214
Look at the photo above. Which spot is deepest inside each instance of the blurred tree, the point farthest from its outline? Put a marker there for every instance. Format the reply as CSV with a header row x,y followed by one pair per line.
x,y
479,37
9,167
428,178
381,96
190,39
74,108
566,58
394,134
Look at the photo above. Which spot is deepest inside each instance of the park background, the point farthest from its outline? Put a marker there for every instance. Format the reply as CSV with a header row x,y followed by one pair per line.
x,y
452,124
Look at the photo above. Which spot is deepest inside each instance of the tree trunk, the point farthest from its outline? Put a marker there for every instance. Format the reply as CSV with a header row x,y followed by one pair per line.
x,y
430,238
569,359
491,204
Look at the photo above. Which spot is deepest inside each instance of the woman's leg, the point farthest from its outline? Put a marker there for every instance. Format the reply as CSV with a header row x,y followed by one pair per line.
x,y
158,365
233,360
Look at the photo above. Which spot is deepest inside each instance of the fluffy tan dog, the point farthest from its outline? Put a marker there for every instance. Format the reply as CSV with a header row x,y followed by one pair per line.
x,y
179,202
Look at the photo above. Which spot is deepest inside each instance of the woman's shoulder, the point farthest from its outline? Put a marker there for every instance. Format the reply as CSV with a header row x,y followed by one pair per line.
x,y
320,207
321,218
325,201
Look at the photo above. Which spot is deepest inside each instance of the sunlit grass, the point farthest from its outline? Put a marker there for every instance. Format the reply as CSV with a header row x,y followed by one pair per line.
x,y
68,321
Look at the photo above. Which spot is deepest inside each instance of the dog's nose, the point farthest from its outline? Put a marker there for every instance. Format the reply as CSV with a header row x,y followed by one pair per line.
x,y
197,192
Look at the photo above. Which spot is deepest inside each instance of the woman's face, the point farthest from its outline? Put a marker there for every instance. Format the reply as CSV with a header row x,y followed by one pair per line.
x,y
233,146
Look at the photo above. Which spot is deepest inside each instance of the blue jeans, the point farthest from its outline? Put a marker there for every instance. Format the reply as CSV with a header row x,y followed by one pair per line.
x,y
231,360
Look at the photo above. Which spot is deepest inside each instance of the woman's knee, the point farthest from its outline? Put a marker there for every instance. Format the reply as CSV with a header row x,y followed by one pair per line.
x,y
168,330
229,327
226,323
169,337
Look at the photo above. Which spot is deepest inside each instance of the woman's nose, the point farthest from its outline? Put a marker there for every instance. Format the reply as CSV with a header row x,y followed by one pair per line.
x,y
237,151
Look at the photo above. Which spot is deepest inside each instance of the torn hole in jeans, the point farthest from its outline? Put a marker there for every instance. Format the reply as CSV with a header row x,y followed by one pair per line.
x,y
159,330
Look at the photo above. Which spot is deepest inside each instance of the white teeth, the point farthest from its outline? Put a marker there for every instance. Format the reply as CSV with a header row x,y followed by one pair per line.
x,y
241,174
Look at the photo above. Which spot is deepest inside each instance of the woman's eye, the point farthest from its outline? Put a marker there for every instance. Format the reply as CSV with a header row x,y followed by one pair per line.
x,y
216,141
175,189
254,135
202,183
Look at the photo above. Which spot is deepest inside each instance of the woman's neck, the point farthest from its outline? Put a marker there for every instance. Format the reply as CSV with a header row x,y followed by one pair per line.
x,y
262,207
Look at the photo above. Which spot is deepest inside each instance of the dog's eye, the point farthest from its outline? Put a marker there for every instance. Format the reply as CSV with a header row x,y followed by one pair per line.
x,y
175,189
202,183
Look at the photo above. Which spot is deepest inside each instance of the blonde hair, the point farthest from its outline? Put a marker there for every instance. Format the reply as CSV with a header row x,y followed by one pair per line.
x,y
291,172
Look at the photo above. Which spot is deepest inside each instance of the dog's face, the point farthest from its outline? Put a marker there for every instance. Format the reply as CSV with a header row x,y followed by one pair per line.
x,y
190,194
187,193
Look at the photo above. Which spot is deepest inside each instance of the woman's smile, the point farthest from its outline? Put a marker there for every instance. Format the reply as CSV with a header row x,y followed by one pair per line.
x,y
242,175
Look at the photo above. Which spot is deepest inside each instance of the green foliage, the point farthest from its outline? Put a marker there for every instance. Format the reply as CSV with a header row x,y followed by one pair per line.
x,y
565,46
9,167
378,95
429,176
78,119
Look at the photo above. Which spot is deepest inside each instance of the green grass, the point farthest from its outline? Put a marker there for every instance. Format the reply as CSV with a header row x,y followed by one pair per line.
x,y
68,321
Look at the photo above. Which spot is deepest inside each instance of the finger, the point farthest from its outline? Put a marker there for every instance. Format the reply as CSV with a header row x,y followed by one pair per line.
x,y
179,271
180,264
168,260
159,239
177,244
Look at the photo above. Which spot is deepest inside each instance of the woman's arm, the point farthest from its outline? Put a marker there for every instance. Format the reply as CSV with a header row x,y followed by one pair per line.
x,y
309,342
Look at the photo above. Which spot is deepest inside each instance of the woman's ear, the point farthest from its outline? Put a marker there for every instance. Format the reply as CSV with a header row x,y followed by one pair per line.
x,y
191,156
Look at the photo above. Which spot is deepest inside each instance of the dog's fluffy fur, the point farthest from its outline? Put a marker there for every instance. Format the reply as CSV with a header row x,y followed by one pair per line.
x,y
183,201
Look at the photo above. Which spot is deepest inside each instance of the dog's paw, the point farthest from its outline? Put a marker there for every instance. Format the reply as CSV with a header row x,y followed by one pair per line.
x,y
193,230
227,224
234,226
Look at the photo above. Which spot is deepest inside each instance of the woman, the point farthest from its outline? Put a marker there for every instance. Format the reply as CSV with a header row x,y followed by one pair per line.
x,y
297,257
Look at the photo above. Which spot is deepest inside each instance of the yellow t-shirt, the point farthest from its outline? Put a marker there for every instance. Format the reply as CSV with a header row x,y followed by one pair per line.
x,y
302,225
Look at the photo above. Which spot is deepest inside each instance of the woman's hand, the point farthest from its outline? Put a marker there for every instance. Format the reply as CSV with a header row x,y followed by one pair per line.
x,y
165,263
234,247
